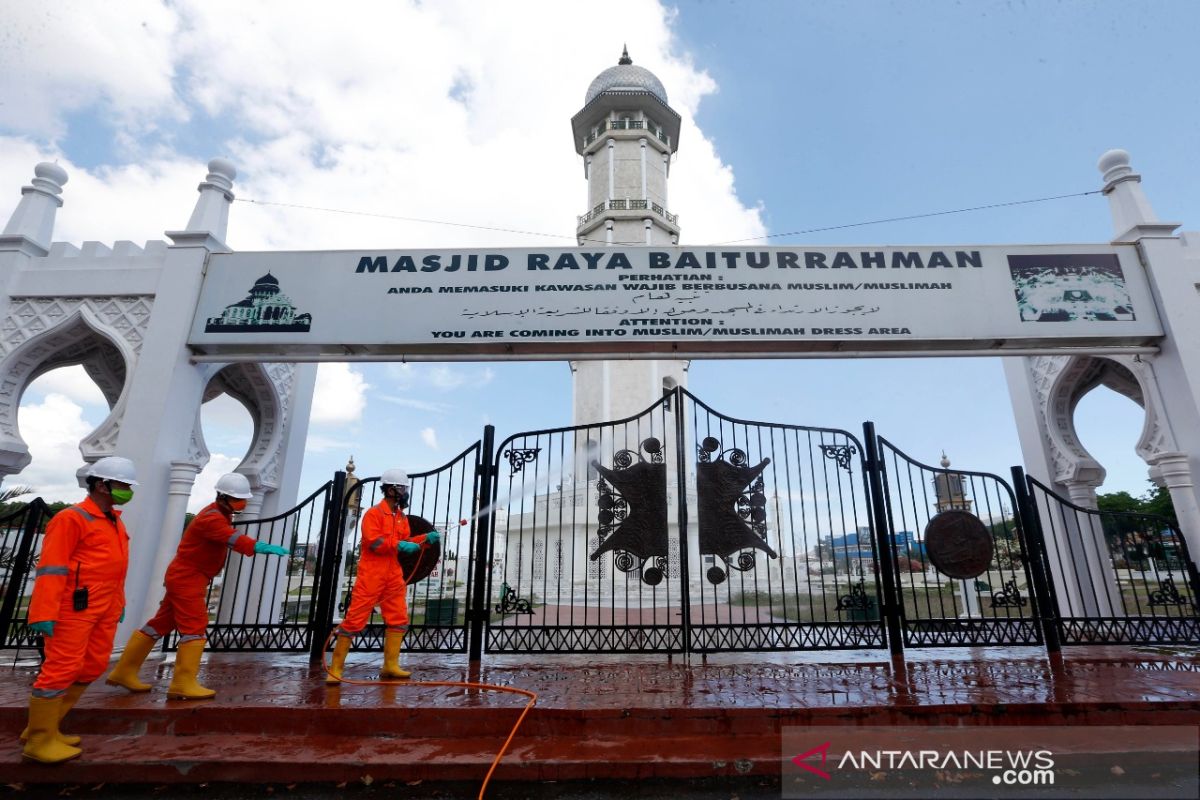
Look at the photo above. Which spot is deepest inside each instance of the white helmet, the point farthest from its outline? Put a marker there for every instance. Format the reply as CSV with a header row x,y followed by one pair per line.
x,y
114,468
394,477
234,484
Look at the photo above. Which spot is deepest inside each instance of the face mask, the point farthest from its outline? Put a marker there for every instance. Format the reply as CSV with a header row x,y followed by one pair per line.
x,y
121,496
236,505
397,494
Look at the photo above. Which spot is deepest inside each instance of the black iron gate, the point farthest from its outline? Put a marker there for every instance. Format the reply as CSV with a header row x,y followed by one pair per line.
x,y
442,500
961,558
1116,578
273,604
581,558
681,529
21,534
782,552
291,604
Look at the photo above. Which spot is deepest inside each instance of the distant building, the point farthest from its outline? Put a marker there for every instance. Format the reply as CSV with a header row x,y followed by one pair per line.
x,y
948,487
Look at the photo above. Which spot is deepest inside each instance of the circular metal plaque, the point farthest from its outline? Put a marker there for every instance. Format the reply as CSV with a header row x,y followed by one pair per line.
x,y
958,544
418,565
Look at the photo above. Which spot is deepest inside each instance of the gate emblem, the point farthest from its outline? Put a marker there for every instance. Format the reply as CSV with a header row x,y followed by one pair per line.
x,y
633,511
732,508
958,544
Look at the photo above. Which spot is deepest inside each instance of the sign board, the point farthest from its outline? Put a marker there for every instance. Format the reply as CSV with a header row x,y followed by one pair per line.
x,y
645,302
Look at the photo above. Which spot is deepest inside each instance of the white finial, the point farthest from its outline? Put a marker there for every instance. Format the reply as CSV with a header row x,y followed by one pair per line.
x,y
211,214
1132,215
33,218
221,172
51,174
1114,165
945,462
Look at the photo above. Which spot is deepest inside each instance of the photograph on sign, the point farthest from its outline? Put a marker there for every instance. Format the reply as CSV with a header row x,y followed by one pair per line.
x,y
1065,288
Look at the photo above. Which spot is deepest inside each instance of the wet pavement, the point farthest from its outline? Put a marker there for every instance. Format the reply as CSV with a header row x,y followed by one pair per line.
x,y
602,717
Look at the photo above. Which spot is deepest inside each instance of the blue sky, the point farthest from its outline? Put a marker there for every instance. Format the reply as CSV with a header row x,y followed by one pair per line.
x,y
796,115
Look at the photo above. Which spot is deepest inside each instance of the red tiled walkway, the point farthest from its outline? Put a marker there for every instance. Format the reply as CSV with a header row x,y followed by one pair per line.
x,y
596,716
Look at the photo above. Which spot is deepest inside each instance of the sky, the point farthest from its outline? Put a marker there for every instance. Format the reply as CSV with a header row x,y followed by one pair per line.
x,y
795,116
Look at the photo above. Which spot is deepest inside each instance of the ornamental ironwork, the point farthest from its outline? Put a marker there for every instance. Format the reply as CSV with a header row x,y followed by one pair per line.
x,y
511,603
840,453
856,600
1009,597
732,506
632,511
519,457
1166,594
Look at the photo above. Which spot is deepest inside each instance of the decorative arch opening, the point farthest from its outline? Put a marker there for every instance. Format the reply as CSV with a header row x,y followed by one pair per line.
x,y
243,406
1077,411
79,357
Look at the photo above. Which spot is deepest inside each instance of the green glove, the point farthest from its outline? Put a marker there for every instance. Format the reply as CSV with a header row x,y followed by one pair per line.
x,y
272,549
122,619
45,628
408,548
433,537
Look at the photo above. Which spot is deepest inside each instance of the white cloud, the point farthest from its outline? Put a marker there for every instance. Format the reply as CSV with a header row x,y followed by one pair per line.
x,y
323,444
85,56
460,116
52,429
204,490
340,396
72,383
420,405
429,437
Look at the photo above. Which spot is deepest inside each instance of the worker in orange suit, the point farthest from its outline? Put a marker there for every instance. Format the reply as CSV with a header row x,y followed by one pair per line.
x,y
380,581
200,556
78,600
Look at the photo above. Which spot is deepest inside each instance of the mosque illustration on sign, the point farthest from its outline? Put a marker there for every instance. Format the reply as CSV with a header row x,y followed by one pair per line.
x,y
264,309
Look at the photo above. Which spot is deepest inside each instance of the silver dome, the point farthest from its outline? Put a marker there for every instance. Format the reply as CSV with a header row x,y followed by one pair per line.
x,y
626,76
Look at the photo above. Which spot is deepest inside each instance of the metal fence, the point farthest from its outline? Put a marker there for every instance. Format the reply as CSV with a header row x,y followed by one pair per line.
x,y
1116,578
959,555
442,500
21,534
268,603
681,529
784,557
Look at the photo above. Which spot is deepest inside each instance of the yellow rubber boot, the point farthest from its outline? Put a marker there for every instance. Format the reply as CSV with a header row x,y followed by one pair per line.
x,y
341,649
391,656
43,744
184,685
126,672
68,702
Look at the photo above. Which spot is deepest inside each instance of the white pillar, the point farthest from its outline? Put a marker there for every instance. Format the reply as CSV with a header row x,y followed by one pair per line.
x,y
1175,472
1090,560
165,391
179,488
1172,264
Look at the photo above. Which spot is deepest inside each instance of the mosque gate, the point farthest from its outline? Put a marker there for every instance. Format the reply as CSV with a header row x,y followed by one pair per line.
x,y
1068,316
681,529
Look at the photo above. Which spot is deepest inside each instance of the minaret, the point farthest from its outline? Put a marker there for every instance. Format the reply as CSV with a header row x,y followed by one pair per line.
x,y
626,134
948,488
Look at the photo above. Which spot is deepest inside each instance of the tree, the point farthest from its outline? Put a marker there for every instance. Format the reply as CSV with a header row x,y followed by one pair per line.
x,y
8,497
1158,501
1130,532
